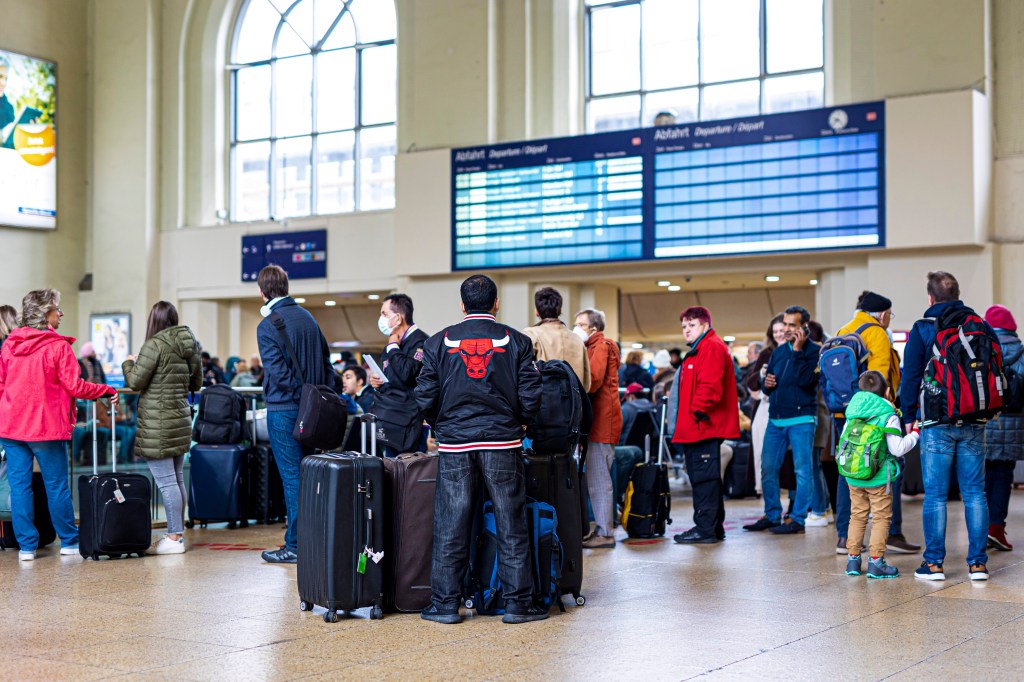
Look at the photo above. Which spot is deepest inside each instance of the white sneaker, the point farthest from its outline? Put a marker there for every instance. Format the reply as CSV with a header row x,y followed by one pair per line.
x,y
816,520
70,550
169,546
830,516
27,556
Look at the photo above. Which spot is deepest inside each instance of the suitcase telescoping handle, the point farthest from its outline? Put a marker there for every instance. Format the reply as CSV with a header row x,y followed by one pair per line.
x,y
113,438
368,421
661,430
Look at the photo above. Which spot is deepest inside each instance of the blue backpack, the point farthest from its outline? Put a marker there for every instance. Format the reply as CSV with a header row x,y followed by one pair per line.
x,y
545,554
841,362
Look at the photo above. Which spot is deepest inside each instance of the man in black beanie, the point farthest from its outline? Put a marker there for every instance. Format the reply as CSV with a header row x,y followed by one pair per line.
x,y
871,322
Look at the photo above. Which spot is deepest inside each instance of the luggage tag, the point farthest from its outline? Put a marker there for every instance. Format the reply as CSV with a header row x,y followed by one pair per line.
x,y
118,495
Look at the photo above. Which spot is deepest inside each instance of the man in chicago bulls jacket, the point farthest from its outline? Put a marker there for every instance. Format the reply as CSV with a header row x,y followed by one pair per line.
x,y
479,388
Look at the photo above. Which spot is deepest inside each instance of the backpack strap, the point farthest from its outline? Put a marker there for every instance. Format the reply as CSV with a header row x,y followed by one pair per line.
x,y
278,322
865,326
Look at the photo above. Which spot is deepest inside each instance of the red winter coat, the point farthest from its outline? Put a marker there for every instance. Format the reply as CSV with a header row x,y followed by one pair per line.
x,y
39,381
604,389
707,384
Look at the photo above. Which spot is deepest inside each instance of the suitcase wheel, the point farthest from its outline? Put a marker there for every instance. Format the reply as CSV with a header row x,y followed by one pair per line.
x,y
331,616
190,524
581,600
305,606
376,613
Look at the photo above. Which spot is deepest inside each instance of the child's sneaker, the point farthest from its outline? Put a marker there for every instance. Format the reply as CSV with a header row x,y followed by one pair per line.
x,y
30,555
877,568
929,571
816,520
979,572
853,565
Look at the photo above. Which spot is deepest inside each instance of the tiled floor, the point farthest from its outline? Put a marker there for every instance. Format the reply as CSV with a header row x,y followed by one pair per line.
x,y
756,607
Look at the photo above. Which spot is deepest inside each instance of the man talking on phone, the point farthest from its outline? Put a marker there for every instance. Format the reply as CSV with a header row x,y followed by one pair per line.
x,y
792,382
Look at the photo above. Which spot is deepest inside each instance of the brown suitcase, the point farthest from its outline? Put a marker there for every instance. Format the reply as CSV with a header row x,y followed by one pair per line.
x,y
410,484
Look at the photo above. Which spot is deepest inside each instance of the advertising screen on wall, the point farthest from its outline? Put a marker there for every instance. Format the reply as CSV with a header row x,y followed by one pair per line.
x,y
110,336
799,181
303,255
28,141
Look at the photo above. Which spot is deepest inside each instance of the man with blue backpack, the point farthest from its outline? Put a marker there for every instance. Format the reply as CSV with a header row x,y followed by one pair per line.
x,y
953,383
866,456
859,346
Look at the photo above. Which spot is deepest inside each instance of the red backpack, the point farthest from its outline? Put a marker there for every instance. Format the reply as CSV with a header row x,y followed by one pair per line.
x,y
963,381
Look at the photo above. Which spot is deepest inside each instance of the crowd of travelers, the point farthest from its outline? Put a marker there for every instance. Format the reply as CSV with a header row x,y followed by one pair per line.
x,y
469,391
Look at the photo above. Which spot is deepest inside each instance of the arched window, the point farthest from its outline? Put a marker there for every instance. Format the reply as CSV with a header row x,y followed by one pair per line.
x,y
702,59
313,108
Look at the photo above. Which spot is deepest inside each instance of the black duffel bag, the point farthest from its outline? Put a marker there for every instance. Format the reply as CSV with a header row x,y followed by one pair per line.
x,y
322,414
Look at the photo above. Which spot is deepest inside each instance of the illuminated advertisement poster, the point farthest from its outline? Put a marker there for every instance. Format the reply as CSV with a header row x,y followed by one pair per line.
x,y
110,336
28,141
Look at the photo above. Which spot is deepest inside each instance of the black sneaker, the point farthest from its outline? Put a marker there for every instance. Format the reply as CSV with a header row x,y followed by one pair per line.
x,y
763,523
853,565
693,537
280,556
527,615
929,571
788,528
446,616
880,569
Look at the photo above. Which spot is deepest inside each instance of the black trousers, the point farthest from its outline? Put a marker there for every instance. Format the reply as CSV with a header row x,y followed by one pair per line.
x,y
704,469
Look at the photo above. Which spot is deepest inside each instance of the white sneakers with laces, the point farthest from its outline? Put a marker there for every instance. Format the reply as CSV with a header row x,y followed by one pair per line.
x,y
27,556
169,546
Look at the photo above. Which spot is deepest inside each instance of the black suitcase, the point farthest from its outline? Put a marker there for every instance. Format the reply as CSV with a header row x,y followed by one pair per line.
x,y
410,487
341,532
739,475
114,509
648,503
217,486
264,487
555,479
913,478
40,516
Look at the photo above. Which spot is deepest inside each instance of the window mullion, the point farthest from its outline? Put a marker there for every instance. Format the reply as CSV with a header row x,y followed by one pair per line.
x,y
762,30
272,181
357,153
314,183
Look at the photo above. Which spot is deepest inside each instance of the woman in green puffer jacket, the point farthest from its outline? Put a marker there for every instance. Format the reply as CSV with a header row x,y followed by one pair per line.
x,y
168,367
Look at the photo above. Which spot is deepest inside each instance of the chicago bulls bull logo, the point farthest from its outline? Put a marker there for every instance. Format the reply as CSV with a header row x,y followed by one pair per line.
x,y
476,354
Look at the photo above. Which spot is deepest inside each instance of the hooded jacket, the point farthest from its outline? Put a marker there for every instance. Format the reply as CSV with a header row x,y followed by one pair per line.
x,y
880,412
884,357
168,367
916,356
479,386
39,381
1004,437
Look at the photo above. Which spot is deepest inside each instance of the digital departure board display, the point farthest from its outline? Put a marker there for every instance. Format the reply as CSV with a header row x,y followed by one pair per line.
x,y
303,255
784,182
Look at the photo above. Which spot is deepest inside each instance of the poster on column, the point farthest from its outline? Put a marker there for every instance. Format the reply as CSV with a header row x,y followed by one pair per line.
x,y
110,336
28,141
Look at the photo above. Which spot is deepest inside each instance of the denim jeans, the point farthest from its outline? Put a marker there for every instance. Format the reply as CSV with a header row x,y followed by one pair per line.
x,y
819,492
288,454
458,501
81,444
799,438
53,463
943,447
998,484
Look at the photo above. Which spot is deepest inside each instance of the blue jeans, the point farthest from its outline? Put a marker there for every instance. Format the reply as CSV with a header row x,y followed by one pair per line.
x,y
53,463
819,492
800,439
998,484
942,447
456,504
288,454
83,434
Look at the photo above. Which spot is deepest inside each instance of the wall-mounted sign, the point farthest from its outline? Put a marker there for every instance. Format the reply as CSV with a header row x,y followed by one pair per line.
x,y
303,255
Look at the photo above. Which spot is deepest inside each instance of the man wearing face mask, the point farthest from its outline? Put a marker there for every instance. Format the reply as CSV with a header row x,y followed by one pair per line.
x,y
607,425
399,420
701,414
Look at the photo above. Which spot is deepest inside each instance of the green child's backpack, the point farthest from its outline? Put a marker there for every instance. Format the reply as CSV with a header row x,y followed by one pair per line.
x,y
862,450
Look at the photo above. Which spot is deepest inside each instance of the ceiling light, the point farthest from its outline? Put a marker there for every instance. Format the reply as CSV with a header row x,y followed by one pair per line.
x,y
638,346
330,304
674,287
374,297
813,282
771,278
300,300
728,339
663,283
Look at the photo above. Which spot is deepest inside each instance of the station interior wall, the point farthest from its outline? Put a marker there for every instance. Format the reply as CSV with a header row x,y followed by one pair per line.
x,y
143,166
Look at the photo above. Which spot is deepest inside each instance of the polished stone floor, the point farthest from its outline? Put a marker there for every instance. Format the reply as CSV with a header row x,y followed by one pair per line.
x,y
756,607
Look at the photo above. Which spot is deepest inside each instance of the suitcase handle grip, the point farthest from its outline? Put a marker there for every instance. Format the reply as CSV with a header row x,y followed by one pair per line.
x,y
368,420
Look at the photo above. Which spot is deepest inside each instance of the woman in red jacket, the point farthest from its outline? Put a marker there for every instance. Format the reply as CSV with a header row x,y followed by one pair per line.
x,y
39,381
703,411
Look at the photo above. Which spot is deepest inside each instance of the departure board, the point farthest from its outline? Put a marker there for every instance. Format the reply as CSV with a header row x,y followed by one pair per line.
x,y
806,180
571,200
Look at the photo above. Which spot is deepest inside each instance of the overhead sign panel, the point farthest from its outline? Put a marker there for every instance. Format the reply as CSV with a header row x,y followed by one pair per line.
x,y
303,255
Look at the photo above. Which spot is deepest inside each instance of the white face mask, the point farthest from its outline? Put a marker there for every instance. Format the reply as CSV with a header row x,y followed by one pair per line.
x,y
580,332
384,327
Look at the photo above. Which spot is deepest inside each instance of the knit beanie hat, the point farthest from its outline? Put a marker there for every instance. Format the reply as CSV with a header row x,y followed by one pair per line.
x,y
662,359
870,302
1000,317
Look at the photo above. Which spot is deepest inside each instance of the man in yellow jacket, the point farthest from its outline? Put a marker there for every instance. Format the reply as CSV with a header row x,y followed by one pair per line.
x,y
875,311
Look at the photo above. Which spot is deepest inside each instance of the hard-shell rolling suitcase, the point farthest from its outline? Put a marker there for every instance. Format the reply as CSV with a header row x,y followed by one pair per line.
x,y
555,479
265,492
410,486
341,532
217,486
113,509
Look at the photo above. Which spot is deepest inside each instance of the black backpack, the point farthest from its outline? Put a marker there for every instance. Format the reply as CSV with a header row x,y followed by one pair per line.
x,y
560,421
221,419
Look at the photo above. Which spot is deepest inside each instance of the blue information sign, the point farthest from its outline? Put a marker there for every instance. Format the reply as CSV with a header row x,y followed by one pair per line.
x,y
785,182
303,255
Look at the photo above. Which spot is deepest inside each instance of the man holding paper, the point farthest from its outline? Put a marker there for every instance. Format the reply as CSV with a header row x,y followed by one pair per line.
x,y
399,420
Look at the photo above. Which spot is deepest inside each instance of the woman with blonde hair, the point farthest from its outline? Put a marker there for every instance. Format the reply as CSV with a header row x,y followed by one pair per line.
x,y
39,382
633,372
168,367
8,321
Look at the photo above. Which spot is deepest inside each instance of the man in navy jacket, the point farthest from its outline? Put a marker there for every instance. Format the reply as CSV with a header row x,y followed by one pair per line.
x,y
791,381
282,387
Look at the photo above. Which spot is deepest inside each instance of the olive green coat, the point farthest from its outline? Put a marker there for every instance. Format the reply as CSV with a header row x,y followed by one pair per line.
x,y
168,367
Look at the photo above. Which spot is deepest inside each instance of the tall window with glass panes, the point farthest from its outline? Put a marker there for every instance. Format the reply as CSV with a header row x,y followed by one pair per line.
x,y
701,59
313,108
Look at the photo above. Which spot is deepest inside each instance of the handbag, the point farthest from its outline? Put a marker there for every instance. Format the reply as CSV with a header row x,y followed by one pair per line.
x,y
322,415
